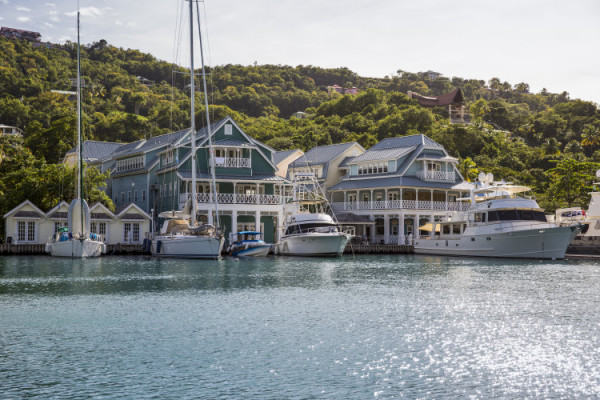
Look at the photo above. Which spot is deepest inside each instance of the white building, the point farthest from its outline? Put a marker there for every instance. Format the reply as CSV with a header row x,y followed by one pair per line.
x,y
26,223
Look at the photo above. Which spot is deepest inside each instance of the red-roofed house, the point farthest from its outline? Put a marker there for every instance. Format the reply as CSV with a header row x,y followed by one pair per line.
x,y
453,100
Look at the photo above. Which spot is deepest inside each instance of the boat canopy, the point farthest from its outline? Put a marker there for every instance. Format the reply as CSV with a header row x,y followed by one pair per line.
x,y
505,189
248,233
429,227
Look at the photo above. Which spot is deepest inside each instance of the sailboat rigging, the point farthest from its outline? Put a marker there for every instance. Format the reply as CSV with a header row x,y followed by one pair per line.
x,y
179,236
77,241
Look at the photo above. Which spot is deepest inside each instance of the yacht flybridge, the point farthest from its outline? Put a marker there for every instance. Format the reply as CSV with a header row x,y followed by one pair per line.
x,y
499,223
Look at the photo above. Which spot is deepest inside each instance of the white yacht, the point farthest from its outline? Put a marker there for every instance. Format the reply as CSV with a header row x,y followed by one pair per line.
x,y
308,230
179,236
76,240
498,224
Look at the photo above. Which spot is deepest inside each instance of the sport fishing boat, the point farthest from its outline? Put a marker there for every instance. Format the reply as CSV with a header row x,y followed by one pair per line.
x,y
76,240
248,244
499,223
179,236
309,230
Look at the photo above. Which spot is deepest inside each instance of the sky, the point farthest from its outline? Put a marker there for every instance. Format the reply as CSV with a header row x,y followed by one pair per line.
x,y
545,43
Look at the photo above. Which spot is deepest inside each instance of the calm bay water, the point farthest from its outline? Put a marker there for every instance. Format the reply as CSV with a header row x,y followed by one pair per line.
x,y
363,327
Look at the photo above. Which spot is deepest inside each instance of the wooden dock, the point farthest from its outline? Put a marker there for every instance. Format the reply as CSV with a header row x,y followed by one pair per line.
x,y
27,248
379,248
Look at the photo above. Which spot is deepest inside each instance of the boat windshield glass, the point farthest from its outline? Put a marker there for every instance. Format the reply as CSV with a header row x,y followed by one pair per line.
x,y
321,227
516,215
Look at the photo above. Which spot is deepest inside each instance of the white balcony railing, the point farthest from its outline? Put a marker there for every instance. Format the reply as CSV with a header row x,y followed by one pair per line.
x,y
235,198
436,175
232,162
401,204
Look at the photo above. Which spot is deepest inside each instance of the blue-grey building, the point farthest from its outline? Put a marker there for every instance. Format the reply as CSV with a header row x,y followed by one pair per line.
x,y
400,184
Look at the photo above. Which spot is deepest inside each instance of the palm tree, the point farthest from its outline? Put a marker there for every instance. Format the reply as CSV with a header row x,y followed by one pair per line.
x,y
590,135
468,169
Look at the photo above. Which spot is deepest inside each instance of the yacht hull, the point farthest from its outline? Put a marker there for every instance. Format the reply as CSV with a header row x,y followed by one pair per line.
x,y
541,243
76,248
314,245
184,246
252,251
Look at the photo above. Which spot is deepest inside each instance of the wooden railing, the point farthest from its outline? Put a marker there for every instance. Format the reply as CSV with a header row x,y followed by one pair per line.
x,y
235,198
401,204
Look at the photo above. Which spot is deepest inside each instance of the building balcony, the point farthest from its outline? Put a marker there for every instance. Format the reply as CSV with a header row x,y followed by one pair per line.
x,y
232,162
400,205
235,198
436,175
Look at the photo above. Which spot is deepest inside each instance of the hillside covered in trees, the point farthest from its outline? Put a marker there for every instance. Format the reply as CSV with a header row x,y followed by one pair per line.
x,y
543,140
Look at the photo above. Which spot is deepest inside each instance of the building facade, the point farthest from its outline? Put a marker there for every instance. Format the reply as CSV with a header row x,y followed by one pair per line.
x,y
26,223
400,184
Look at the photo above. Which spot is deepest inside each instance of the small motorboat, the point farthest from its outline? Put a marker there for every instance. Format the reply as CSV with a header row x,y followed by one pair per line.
x,y
248,244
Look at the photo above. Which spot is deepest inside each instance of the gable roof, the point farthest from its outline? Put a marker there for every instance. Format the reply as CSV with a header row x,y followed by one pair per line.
x,y
122,213
382,154
201,138
94,150
280,156
454,97
143,146
322,154
38,213
406,141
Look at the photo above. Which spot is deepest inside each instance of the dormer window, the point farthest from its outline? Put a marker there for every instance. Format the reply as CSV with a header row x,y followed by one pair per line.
x,y
168,157
367,169
130,164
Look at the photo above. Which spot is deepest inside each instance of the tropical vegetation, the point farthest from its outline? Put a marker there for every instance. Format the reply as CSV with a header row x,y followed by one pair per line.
x,y
544,140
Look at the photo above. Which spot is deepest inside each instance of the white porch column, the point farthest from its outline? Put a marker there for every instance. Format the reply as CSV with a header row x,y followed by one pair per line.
x,y
400,228
371,199
373,228
279,226
431,204
416,227
446,200
257,197
385,198
234,216
386,229
400,198
234,193
257,221
417,198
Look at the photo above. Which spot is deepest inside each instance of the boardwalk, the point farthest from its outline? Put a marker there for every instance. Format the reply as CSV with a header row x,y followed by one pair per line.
x,y
378,248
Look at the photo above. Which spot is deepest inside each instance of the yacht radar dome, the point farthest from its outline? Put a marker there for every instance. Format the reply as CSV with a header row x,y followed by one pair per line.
x,y
489,177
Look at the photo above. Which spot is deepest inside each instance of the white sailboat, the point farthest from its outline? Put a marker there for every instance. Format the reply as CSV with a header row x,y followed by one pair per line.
x,y
308,230
499,223
179,236
77,241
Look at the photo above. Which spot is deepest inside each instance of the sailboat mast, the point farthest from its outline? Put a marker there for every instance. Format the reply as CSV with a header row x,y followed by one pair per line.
x,y
210,147
79,141
192,116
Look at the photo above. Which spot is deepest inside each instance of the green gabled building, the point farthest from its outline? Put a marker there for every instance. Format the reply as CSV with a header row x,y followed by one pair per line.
x,y
249,193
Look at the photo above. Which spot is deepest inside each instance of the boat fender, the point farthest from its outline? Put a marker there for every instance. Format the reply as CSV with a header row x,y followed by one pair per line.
x,y
158,246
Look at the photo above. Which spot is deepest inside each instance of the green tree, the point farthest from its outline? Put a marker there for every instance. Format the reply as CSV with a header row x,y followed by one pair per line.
x,y
468,169
571,181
